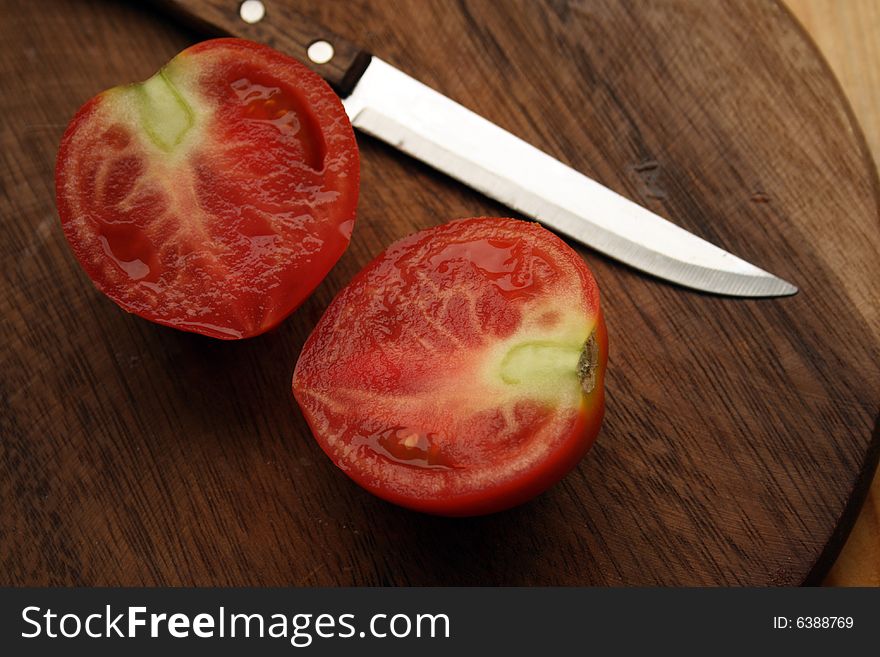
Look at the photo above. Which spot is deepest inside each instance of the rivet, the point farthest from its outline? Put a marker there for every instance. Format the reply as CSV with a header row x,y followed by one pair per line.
x,y
252,11
320,52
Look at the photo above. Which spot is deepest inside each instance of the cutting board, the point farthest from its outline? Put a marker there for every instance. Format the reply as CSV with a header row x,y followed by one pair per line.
x,y
740,435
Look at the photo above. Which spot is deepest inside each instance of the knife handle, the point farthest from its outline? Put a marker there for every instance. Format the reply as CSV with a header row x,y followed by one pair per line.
x,y
282,28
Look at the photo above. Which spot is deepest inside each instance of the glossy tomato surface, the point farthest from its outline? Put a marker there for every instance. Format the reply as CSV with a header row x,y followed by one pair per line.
x,y
461,372
214,196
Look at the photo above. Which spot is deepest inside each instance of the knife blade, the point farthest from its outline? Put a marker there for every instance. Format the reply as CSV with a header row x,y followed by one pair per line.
x,y
390,105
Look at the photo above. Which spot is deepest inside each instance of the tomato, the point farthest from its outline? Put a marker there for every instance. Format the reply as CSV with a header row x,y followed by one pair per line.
x,y
214,196
461,372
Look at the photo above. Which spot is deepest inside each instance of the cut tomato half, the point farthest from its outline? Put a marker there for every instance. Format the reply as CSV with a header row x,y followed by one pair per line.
x,y
461,372
216,195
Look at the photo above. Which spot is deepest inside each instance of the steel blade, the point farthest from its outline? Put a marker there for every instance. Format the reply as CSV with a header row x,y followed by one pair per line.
x,y
412,117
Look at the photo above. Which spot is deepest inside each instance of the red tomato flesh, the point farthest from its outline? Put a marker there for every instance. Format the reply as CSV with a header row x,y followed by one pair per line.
x,y
461,372
214,196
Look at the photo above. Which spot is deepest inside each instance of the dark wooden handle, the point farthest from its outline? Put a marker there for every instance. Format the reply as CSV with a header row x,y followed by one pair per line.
x,y
282,28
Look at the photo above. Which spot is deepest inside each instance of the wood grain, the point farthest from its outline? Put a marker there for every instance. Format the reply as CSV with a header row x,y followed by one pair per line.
x,y
846,34
739,437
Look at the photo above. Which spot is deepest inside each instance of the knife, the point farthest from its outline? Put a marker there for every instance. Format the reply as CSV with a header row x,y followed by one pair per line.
x,y
386,103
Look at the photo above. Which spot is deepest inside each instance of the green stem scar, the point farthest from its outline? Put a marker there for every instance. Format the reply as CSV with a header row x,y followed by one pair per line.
x,y
547,365
588,363
165,115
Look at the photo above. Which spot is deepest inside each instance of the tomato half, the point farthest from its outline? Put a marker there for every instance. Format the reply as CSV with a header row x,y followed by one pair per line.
x,y
214,196
461,372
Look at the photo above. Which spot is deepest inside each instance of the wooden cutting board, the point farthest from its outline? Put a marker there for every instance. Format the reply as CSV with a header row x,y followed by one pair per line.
x,y
740,435
845,36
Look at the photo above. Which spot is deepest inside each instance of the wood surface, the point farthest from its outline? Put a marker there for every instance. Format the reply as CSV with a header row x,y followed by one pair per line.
x,y
846,33
740,435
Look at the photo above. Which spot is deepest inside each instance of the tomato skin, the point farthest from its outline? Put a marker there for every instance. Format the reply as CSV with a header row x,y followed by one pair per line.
x,y
353,348
215,196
